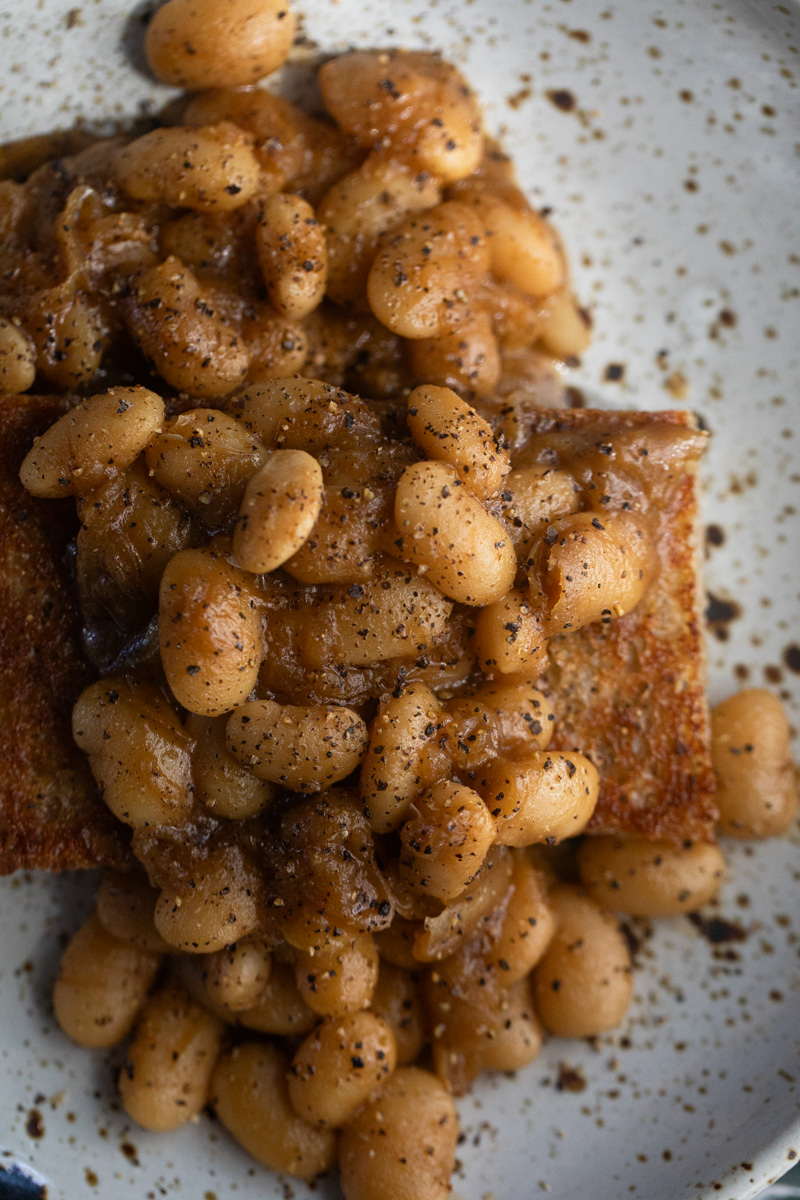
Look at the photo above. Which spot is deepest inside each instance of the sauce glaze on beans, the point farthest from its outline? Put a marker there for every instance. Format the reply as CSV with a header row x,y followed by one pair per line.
x,y
321,602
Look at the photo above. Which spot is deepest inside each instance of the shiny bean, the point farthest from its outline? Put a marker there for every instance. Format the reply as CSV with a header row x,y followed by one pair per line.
x,y
293,254
302,748
444,528
92,442
542,797
449,430
338,1065
424,273
445,840
280,507
390,774
757,791
218,43
167,1077
583,984
650,878
209,169
339,977
402,1143
209,632
251,1099
101,985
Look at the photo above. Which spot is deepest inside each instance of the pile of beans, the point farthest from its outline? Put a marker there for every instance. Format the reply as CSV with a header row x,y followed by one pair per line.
x,y
319,619
364,878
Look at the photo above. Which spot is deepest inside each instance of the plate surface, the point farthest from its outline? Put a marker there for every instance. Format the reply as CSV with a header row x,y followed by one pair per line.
x,y
664,139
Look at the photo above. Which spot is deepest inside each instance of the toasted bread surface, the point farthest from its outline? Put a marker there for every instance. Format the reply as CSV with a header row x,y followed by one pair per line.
x,y
632,693
50,812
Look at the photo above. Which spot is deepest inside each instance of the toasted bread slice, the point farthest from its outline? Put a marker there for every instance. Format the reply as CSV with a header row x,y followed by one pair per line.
x,y
632,693
50,812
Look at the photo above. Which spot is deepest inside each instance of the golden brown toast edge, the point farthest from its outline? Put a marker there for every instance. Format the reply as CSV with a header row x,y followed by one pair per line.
x,y
632,694
51,815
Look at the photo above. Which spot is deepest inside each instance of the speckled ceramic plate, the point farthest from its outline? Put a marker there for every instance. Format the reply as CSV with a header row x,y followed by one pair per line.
x,y
664,139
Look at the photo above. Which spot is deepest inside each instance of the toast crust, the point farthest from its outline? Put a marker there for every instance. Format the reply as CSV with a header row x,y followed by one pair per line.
x,y
51,815
632,694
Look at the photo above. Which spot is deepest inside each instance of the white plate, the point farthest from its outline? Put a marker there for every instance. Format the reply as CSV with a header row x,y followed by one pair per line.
x,y
674,179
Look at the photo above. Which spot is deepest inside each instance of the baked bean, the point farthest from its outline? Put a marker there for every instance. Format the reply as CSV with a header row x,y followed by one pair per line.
x,y
130,529
443,527
212,244
251,1099
449,430
212,168
518,1037
101,985
649,878
205,458
216,908
442,935
70,332
535,496
138,752
293,254
358,209
280,507
564,330
338,1065
166,1079
186,971
17,359
92,442
390,773
274,124
542,797
275,346
521,715
523,248
528,925
515,319
295,151
477,1022
583,984
237,976
751,752
303,748
218,43
445,840
424,273
281,1010
590,570
402,1143
305,414
395,614
396,943
396,1000
510,636
339,977
466,358
125,908
209,632
428,111
221,783
177,327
